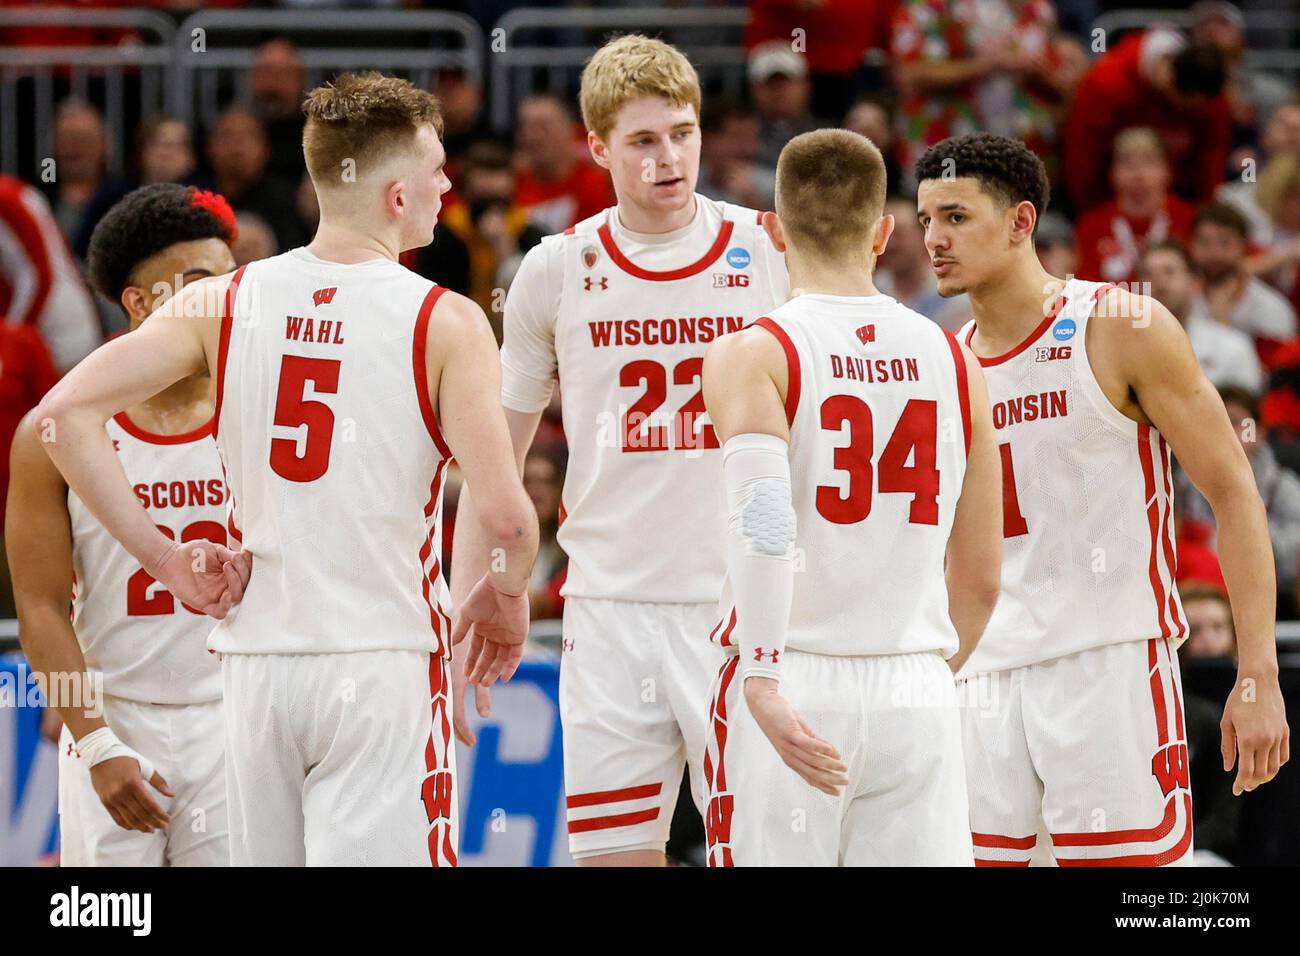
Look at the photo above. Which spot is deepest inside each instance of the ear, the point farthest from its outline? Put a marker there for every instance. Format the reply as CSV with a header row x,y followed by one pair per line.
x,y
1023,219
772,226
395,199
884,229
599,151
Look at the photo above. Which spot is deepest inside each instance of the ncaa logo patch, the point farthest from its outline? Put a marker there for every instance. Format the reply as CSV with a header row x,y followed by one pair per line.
x,y
737,257
1064,330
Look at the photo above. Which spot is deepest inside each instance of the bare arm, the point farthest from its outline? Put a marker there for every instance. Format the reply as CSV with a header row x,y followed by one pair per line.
x,y
462,358
172,344
38,528
1174,394
974,561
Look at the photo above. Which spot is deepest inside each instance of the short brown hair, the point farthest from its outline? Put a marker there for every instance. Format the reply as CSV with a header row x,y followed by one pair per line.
x,y
1221,214
830,190
362,117
629,67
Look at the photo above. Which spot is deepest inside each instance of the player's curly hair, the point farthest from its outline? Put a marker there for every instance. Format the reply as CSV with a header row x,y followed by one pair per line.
x,y
1005,168
145,222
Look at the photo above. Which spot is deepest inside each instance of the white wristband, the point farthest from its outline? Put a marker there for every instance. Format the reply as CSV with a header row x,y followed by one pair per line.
x,y
102,744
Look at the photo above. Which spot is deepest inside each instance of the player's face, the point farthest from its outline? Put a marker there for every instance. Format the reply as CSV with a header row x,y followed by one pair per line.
x,y
425,185
165,273
967,234
652,154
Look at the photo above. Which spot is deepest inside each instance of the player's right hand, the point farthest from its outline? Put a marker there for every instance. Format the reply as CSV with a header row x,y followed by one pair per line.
x,y
482,702
203,574
811,757
498,623
124,795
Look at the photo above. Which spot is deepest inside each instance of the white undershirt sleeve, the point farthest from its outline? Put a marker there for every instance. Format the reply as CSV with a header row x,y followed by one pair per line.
x,y
528,360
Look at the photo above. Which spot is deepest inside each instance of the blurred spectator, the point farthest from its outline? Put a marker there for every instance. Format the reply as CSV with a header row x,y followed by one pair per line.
x,y
1055,244
903,271
163,153
1155,79
253,239
544,482
1227,355
1112,236
992,66
40,284
1211,638
836,36
481,239
1234,296
276,90
1252,94
80,149
463,121
1281,137
728,170
554,187
1278,486
238,153
873,116
1278,197
1210,632
782,93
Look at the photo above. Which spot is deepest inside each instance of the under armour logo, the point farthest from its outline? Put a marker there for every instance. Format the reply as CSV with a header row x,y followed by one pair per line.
x,y
324,296
604,283
759,654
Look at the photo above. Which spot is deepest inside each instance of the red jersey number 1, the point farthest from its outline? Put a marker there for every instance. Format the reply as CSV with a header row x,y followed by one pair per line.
x,y
293,410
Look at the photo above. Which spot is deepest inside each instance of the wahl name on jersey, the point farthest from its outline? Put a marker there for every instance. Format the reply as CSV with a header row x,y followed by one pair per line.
x,y
703,329
1030,408
320,331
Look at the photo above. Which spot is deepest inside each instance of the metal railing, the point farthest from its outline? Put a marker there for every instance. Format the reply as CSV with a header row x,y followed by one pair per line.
x,y
516,64
213,49
1271,35
38,76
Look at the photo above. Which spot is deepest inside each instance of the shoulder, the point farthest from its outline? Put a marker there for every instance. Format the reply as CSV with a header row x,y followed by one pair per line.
x,y
459,314
752,348
27,454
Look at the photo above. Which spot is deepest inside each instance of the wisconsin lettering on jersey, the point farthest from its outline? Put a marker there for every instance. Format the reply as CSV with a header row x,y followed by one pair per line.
x,y
703,329
320,331
1029,408
181,494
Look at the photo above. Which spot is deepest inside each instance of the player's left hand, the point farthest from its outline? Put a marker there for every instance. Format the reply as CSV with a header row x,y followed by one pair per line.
x,y
499,624
203,574
1255,735
460,685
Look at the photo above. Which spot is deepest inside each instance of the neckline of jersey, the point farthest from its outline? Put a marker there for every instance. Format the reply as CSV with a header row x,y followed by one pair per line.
x,y
302,254
153,438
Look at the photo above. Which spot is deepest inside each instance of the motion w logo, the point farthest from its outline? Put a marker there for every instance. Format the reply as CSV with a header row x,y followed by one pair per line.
x,y
324,296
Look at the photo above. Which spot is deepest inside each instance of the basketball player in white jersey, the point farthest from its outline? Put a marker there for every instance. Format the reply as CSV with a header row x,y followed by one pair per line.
x,y
1081,734
620,309
344,385
857,442
143,782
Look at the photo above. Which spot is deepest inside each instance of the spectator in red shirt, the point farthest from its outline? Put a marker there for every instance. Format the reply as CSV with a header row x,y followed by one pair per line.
x,y
553,186
1113,236
1150,79
836,36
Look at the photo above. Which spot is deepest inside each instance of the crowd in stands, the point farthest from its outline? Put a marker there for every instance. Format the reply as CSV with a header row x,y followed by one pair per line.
x,y
1172,165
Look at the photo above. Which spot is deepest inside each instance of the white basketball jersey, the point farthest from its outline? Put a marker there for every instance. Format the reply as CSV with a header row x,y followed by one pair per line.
x,y
1088,517
334,458
148,646
879,416
643,494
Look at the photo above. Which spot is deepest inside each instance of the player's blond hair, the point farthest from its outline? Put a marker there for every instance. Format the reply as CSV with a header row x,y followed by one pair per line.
x,y
830,191
365,118
629,67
